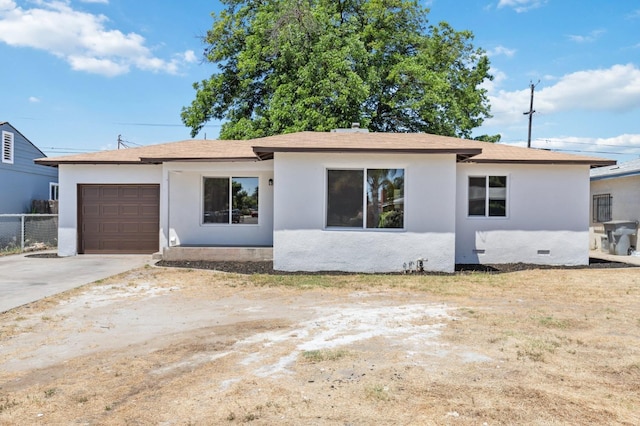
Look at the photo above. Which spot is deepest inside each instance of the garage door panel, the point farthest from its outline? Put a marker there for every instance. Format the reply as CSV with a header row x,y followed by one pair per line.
x,y
93,210
91,192
131,227
109,192
110,227
130,193
147,210
148,193
129,210
148,227
119,218
90,227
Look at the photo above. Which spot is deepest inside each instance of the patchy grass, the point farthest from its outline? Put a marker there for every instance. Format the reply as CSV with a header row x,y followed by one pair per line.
x,y
324,355
536,347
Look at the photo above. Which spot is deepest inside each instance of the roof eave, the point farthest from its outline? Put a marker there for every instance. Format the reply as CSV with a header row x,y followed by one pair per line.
x,y
592,163
266,152
617,175
160,160
54,163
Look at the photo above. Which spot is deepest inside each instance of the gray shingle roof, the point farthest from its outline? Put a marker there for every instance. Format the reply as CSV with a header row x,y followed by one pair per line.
x,y
629,168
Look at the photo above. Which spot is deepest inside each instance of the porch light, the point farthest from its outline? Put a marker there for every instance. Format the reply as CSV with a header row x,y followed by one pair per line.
x,y
270,182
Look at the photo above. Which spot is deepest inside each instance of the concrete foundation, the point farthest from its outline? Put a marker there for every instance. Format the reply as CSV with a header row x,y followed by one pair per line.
x,y
218,254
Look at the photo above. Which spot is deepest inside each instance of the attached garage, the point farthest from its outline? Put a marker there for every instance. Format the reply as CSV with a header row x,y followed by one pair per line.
x,y
118,219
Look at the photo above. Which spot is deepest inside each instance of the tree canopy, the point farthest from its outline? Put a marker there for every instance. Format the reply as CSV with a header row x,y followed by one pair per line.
x,y
295,65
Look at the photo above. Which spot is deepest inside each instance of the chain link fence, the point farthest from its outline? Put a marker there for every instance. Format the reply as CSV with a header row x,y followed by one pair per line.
x,y
28,232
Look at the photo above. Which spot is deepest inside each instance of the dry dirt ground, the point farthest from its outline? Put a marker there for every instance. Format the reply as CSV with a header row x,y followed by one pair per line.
x,y
169,346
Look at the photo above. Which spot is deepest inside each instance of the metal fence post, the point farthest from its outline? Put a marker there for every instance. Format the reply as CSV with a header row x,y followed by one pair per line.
x,y
22,234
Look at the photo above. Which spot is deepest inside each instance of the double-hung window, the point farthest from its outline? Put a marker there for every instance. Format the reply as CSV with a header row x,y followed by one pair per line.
x,y
7,147
365,198
488,196
230,200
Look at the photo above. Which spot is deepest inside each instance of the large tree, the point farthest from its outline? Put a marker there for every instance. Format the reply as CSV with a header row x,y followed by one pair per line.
x,y
294,65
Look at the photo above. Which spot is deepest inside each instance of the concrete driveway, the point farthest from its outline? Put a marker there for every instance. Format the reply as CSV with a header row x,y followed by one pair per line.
x,y
25,278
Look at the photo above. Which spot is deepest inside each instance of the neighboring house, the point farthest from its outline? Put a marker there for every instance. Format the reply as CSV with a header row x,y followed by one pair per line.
x,y
615,198
348,201
21,180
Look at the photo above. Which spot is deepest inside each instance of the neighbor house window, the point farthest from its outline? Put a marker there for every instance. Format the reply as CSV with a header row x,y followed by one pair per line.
x,y
54,191
488,196
365,198
7,147
230,200
602,207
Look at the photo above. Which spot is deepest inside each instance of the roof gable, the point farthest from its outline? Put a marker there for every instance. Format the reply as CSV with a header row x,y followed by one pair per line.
x,y
14,130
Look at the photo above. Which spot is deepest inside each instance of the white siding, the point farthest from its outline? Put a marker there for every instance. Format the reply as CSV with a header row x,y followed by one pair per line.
x,y
547,217
303,243
70,176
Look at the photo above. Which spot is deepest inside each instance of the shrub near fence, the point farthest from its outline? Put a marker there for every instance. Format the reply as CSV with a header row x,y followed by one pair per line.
x,y
28,232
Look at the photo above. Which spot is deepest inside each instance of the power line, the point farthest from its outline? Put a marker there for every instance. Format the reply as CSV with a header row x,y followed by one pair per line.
x,y
163,125
53,148
591,144
126,144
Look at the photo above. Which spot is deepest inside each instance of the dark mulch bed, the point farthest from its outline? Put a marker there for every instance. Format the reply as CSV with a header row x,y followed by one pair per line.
x,y
267,267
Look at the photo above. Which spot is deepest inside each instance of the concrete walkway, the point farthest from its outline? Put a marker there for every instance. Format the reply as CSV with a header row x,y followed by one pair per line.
x,y
632,260
25,279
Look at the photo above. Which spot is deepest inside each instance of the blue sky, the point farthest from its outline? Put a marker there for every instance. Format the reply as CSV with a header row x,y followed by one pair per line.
x,y
77,73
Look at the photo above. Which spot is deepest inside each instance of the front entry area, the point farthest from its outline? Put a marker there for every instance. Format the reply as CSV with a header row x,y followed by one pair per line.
x,y
118,219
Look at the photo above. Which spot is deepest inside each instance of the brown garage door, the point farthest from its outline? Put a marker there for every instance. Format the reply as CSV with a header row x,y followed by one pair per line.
x,y
118,218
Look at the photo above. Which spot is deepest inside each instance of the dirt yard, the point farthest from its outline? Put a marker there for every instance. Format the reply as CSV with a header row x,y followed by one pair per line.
x,y
166,346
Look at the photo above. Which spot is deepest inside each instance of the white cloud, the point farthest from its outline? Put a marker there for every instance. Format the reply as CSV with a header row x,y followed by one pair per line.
x,y
521,5
34,99
95,1
614,89
501,50
80,38
635,14
189,56
591,37
94,65
498,78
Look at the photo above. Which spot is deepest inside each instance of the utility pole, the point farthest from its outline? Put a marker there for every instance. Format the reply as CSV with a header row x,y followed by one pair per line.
x,y
530,112
119,141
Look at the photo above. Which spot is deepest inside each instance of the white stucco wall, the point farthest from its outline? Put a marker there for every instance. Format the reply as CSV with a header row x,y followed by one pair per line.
x,y
547,216
302,242
184,220
71,175
625,204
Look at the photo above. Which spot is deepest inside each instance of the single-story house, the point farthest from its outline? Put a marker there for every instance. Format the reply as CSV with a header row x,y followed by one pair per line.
x,y
21,180
615,203
321,201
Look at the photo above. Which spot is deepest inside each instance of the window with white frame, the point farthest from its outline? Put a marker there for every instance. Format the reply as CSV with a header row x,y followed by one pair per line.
x,y
54,191
365,198
7,147
488,196
230,200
